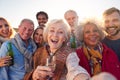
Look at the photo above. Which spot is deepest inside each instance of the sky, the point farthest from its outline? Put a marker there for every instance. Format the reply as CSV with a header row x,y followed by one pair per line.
x,y
16,10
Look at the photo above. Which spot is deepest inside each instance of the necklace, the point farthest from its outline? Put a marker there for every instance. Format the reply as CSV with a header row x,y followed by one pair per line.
x,y
50,54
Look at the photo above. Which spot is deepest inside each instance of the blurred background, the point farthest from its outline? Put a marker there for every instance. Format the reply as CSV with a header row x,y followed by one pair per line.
x,y
15,10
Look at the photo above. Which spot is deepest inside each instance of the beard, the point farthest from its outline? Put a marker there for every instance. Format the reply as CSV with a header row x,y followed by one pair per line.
x,y
115,28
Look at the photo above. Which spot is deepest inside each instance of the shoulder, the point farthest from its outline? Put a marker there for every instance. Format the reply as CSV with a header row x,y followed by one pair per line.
x,y
5,44
106,48
79,50
106,40
39,50
3,49
67,49
108,52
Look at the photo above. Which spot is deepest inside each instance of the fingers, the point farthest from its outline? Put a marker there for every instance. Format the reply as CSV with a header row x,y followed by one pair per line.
x,y
42,72
44,68
5,61
6,58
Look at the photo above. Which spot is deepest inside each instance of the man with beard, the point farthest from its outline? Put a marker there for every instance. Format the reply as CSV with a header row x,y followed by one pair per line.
x,y
111,18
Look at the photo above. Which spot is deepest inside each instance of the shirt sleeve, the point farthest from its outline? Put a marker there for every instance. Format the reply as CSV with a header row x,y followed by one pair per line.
x,y
73,66
3,49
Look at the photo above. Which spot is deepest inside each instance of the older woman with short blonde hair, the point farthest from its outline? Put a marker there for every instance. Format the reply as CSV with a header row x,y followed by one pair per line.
x,y
65,27
64,62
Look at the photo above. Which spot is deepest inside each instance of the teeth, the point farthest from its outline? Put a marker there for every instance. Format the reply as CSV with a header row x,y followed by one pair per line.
x,y
55,41
111,29
4,32
93,38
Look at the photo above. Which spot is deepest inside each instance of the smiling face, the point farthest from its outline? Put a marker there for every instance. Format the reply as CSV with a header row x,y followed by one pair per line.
x,y
56,36
38,36
26,29
4,29
42,20
72,19
91,35
112,23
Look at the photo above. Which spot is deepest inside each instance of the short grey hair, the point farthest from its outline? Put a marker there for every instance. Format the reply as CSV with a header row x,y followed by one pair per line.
x,y
80,28
60,22
70,11
27,20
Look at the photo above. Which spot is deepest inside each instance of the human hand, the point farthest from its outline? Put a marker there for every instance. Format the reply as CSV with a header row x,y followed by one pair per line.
x,y
41,72
5,61
82,76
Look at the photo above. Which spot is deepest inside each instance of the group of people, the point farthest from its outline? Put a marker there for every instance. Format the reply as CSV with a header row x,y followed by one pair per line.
x,y
48,54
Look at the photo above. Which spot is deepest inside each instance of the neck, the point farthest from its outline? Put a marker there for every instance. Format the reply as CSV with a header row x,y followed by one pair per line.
x,y
93,46
53,50
90,47
26,42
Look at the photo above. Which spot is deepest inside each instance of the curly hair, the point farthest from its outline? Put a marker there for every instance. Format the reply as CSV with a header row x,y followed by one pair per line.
x,y
42,13
80,28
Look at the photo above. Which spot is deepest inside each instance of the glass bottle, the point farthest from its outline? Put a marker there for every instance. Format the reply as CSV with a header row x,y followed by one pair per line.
x,y
51,62
72,41
10,53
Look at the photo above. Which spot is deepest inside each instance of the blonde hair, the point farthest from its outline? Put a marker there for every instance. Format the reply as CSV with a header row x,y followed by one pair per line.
x,y
60,22
79,30
12,32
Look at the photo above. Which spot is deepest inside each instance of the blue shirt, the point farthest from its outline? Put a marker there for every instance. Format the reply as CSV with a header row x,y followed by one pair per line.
x,y
16,71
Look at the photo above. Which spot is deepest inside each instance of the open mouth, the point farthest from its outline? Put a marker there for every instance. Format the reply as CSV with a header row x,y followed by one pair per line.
x,y
93,38
54,41
111,28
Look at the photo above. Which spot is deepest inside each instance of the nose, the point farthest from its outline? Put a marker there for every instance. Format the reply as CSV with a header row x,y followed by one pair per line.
x,y
4,28
71,20
39,37
110,23
92,33
26,31
55,34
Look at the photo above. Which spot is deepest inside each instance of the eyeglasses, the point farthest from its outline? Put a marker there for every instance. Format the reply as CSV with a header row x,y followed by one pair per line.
x,y
5,25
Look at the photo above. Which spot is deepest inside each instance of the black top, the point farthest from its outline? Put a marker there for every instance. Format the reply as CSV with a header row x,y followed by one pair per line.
x,y
113,44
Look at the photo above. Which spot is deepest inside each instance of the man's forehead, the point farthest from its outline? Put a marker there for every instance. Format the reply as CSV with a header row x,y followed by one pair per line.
x,y
27,25
71,14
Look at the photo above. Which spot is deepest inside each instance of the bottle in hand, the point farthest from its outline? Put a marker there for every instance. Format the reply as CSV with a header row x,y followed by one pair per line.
x,y
72,41
10,53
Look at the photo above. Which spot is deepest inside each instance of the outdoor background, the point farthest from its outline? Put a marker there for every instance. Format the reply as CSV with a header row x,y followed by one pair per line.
x,y
15,10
